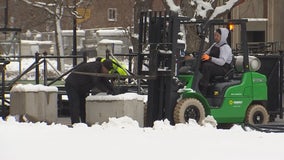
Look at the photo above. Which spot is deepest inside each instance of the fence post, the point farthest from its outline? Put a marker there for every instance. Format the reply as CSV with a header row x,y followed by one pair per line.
x,y
130,51
85,57
37,67
107,53
3,109
281,81
44,68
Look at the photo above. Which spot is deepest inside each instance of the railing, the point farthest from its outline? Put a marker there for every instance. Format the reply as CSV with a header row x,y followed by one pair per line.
x,y
39,59
41,76
261,47
43,59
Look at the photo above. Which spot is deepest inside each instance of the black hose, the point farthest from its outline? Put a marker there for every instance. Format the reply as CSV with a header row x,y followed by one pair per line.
x,y
270,128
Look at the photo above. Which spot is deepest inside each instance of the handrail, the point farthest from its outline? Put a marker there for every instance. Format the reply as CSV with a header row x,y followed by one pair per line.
x,y
64,74
32,66
41,59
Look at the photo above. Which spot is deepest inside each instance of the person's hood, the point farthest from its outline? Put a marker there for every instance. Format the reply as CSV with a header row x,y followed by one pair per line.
x,y
224,36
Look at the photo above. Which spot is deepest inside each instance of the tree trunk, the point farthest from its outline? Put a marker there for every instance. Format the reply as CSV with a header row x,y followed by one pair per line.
x,y
191,38
59,41
57,48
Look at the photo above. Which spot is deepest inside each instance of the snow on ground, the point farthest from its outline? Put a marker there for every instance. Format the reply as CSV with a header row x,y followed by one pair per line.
x,y
122,139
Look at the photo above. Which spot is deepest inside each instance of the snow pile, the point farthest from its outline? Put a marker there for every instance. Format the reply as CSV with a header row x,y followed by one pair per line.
x,y
125,96
33,88
111,32
120,123
121,138
108,41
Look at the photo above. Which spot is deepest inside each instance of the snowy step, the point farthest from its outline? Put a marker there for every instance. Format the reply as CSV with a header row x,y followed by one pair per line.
x,y
38,102
99,108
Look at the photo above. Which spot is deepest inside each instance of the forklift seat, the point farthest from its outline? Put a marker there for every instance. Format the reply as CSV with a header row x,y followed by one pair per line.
x,y
228,76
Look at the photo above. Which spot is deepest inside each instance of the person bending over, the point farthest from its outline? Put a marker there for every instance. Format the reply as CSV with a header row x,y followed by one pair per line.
x,y
78,87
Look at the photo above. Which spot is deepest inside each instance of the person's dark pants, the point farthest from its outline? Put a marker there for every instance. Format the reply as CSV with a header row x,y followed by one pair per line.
x,y
77,104
209,70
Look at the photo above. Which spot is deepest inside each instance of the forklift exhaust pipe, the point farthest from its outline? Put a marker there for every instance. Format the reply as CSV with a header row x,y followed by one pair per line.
x,y
254,63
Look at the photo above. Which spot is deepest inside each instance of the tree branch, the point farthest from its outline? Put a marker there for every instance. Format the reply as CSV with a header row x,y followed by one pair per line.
x,y
220,10
43,5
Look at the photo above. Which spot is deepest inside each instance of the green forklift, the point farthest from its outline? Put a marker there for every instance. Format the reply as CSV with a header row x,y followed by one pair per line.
x,y
239,96
243,95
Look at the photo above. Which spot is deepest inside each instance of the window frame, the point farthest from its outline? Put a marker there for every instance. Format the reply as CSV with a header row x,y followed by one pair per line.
x,y
112,14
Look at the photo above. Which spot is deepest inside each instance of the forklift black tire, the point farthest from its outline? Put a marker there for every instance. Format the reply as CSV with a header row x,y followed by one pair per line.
x,y
189,108
257,114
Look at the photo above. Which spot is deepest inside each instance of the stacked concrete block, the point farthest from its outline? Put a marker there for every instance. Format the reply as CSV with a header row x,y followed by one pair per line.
x,y
99,108
36,102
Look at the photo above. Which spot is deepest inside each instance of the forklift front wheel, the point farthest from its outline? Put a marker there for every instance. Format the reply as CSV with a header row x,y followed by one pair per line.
x,y
257,114
189,108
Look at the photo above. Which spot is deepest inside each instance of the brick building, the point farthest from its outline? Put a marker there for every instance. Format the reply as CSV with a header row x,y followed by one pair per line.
x,y
114,13
100,13
265,24
109,13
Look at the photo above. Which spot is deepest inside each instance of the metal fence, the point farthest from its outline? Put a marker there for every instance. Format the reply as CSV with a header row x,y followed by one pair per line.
x,y
39,59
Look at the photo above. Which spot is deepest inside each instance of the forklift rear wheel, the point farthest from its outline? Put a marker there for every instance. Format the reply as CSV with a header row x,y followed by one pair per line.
x,y
189,108
257,114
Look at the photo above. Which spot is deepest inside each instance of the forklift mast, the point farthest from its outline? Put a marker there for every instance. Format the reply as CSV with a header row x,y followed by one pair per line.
x,y
158,32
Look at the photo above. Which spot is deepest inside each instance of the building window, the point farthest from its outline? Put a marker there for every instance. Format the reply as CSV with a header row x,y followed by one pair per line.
x,y
256,36
112,14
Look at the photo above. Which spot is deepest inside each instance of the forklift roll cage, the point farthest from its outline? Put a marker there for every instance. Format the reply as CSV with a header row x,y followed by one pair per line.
x,y
208,27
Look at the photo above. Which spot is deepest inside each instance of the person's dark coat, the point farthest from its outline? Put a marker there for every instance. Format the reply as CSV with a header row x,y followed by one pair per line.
x,y
84,83
78,86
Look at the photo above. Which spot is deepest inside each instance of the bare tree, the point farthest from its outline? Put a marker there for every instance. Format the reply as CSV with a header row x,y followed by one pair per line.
x,y
56,9
200,9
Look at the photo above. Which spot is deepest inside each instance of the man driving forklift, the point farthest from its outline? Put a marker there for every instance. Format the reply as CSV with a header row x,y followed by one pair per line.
x,y
216,60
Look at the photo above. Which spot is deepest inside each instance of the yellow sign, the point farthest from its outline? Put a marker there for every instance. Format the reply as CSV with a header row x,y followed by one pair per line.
x,y
84,13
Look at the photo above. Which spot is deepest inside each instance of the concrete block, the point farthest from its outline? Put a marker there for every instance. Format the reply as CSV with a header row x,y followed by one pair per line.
x,y
40,105
99,108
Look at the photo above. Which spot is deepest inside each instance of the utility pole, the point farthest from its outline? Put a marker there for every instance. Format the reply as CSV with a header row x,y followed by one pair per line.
x,y
74,53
